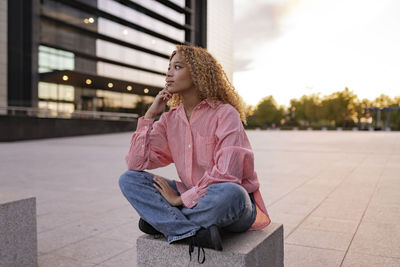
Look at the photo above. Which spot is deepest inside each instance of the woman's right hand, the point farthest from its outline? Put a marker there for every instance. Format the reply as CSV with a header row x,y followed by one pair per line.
x,y
159,103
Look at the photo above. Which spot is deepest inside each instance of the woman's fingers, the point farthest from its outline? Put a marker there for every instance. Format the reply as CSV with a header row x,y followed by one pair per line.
x,y
157,187
161,182
162,185
165,94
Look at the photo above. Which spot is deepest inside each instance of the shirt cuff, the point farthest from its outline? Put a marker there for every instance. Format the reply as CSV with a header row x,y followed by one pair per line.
x,y
144,124
191,197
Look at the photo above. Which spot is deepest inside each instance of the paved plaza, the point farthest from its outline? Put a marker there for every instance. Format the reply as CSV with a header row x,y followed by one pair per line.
x,y
337,194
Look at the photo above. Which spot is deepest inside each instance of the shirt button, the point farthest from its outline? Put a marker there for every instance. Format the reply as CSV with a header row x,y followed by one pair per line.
x,y
193,202
145,127
142,145
189,146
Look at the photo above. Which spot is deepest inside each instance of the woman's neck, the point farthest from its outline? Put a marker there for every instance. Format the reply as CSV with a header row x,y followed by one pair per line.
x,y
190,100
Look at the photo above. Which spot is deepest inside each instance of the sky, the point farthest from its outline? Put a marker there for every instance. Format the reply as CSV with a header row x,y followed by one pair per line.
x,y
290,48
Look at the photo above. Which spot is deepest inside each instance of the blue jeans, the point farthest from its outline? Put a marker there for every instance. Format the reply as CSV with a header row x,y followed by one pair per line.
x,y
226,205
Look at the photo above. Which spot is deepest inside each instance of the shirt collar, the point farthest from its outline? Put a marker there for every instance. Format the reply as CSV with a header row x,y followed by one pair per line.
x,y
202,104
209,103
205,102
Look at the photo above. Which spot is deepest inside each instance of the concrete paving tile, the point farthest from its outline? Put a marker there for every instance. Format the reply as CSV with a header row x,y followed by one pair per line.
x,y
335,173
357,195
285,218
59,205
116,217
330,224
94,250
52,260
342,210
386,196
128,233
303,198
283,206
363,260
380,239
391,182
367,173
319,239
299,256
321,182
60,237
105,204
78,230
125,259
288,229
382,213
50,221
82,205
297,170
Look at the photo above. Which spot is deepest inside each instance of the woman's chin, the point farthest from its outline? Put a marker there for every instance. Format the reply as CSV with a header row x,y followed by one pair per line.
x,y
172,90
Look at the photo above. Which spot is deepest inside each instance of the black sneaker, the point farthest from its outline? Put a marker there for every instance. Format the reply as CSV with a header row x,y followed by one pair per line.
x,y
205,238
146,228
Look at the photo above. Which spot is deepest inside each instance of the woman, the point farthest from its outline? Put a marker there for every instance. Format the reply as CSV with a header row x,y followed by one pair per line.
x,y
204,136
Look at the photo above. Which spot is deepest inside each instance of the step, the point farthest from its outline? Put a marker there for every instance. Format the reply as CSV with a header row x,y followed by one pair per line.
x,y
18,239
249,249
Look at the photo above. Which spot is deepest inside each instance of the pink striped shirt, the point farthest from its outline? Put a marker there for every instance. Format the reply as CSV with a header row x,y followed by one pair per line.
x,y
212,147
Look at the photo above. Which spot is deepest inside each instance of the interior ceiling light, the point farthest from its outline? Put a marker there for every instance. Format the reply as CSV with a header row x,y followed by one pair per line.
x,y
65,77
129,88
146,90
110,85
88,81
88,20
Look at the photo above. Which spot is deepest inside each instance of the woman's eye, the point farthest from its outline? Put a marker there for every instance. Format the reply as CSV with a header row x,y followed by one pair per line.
x,y
177,67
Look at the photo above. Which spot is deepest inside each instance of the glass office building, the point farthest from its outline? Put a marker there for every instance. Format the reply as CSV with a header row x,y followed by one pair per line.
x,y
66,56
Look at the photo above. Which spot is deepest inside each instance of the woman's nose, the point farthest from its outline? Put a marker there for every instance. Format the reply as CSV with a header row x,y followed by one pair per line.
x,y
169,74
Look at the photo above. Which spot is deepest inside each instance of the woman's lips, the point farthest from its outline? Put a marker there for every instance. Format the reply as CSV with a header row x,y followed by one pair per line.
x,y
169,83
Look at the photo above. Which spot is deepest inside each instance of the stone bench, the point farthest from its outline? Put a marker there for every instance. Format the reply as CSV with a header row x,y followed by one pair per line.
x,y
18,239
252,248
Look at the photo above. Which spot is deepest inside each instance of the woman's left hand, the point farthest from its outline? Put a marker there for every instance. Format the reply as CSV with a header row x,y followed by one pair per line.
x,y
167,191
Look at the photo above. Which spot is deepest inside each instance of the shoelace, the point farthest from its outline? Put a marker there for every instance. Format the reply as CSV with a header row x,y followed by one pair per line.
x,y
193,244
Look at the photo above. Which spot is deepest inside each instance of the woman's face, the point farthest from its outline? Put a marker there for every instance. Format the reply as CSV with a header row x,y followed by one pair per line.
x,y
178,77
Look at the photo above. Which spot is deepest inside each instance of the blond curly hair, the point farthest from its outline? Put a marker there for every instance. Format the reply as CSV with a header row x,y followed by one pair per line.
x,y
208,78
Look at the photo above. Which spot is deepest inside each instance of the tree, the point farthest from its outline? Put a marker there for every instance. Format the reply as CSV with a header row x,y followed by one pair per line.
x,y
268,113
252,123
361,110
382,101
395,119
339,107
306,109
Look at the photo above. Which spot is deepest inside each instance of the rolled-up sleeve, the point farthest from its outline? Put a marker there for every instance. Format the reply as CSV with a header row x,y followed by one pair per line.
x,y
233,157
149,145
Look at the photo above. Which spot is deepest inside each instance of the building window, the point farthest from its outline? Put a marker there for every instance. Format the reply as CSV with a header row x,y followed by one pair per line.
x,y
56,91
54,59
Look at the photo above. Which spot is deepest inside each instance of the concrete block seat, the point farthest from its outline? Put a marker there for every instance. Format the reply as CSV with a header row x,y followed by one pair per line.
x,y
252,248
18,239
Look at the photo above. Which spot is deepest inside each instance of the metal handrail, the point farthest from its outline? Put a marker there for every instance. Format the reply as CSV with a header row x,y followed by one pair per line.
x,y
81,114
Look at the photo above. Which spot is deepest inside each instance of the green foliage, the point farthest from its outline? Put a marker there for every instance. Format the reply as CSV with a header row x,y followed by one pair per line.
x,y
306,110
339,109
267,113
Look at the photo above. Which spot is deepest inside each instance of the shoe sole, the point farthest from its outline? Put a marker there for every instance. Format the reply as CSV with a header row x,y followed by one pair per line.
x,y
147,228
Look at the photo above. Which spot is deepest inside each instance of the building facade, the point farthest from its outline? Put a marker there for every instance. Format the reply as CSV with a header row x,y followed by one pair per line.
x,y
94,55
62,57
